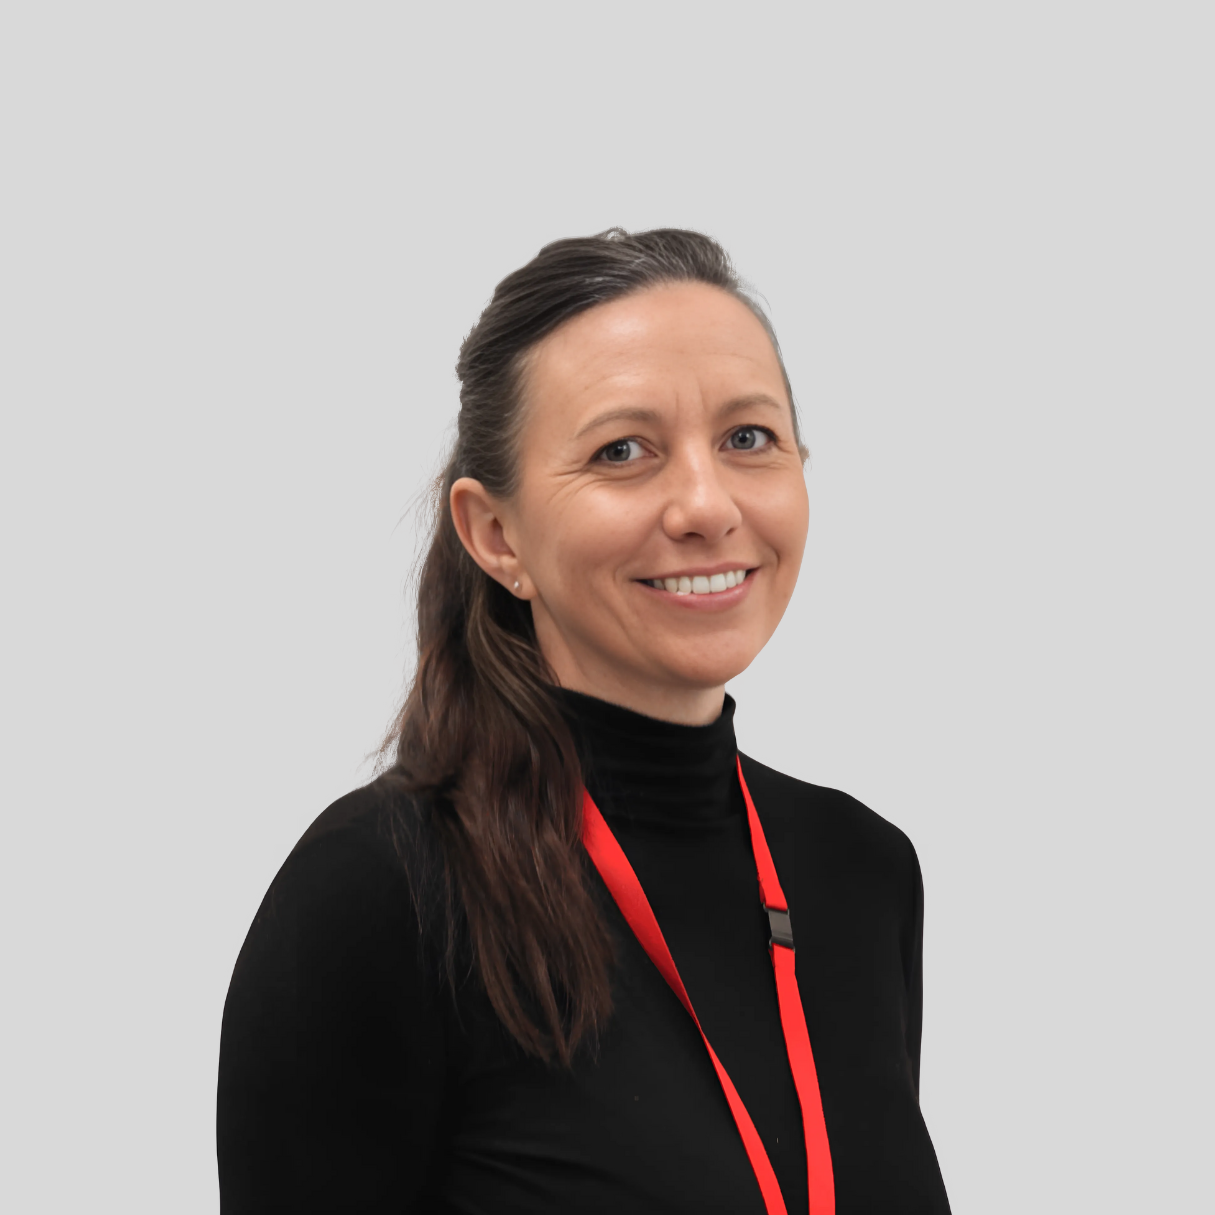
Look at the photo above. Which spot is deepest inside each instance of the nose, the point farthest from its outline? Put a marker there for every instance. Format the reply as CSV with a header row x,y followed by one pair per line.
x,y
700,504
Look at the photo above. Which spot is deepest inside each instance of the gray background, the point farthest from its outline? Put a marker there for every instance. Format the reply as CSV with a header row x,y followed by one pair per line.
x,y
239,247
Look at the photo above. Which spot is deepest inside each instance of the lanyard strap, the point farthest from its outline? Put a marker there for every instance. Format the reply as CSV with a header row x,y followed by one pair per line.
x,y
624,887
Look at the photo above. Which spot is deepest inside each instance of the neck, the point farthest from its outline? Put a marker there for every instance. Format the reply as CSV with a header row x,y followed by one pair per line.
x,y
669,774
687,706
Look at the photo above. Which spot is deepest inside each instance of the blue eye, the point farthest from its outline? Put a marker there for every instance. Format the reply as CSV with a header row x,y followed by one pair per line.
x,y
750,438
621,452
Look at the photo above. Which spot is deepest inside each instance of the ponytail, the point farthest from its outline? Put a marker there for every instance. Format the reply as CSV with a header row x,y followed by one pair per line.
x,y
481,736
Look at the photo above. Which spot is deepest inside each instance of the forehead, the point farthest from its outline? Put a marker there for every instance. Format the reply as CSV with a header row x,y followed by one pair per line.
x,y
672,338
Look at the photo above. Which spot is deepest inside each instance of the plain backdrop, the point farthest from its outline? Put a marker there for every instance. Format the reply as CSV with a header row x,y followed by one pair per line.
x,y
239,247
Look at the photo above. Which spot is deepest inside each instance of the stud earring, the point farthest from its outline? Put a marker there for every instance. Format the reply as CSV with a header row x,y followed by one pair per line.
x,y
516,584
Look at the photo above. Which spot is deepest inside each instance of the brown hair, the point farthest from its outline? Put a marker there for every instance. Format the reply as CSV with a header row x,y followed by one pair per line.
x,y
481,741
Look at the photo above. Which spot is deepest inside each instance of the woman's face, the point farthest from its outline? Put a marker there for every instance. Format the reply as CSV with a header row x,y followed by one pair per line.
x,y
657,463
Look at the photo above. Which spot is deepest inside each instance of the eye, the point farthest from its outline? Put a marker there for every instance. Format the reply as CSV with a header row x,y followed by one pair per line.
x,y
750,438
622,451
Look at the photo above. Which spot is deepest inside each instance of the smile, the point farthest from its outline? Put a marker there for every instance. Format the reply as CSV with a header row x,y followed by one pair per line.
x,y
701,584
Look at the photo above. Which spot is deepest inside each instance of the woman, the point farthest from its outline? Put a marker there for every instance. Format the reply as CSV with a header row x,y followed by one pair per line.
x,y
529,968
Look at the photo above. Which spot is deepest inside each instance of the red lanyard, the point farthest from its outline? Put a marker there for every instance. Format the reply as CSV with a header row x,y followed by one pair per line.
x,y
620,879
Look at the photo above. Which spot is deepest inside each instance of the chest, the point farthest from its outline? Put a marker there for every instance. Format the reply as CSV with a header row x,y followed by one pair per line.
x,y
642,1124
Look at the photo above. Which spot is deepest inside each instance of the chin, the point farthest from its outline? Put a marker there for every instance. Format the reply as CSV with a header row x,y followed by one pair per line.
x,y
698,672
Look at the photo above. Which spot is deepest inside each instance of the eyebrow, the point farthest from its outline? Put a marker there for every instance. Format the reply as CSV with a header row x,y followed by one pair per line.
x,y
737,405
749,402
619,415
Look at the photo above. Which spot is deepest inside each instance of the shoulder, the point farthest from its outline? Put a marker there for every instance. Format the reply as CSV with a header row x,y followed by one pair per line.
x,y
831,821
363,817
351,866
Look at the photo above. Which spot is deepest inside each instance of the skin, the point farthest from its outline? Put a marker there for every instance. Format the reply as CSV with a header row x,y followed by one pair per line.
x,y
682,381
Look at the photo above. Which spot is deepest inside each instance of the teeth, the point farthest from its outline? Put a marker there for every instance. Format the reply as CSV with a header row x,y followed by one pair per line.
x,y
700,585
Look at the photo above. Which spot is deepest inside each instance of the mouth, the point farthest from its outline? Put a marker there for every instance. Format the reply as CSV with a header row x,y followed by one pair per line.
x,y
699,584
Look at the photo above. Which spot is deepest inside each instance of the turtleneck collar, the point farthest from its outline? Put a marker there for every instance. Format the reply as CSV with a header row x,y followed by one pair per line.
x,y
638,767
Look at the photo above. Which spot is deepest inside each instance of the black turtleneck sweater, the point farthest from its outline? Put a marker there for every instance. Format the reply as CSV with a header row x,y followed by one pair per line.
x,y
351,1079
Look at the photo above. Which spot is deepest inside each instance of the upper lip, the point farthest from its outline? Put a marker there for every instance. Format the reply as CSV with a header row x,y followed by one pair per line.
x,y
704,571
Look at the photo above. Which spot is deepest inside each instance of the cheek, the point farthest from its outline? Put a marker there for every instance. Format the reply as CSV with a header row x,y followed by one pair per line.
x,y
781,519
583,539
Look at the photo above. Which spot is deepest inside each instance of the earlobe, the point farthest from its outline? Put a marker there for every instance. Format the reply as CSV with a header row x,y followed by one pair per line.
x,y
477,516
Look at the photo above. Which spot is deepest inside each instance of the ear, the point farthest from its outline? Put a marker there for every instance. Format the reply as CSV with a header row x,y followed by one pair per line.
x,y
479,519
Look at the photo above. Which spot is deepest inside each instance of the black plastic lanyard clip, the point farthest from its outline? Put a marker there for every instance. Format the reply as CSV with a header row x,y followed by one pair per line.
x,y
780,926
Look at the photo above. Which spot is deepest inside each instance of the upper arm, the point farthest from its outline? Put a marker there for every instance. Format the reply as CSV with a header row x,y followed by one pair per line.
x,y
331,1075
912,946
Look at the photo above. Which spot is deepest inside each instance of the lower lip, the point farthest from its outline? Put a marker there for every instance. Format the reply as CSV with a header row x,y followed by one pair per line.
x,y
714,601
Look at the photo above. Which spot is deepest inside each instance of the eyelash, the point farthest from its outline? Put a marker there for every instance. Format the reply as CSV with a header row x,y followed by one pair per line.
x,y
600,455
763,430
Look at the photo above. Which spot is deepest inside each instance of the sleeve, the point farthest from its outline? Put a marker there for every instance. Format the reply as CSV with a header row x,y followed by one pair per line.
x,y
913,963
332,1065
